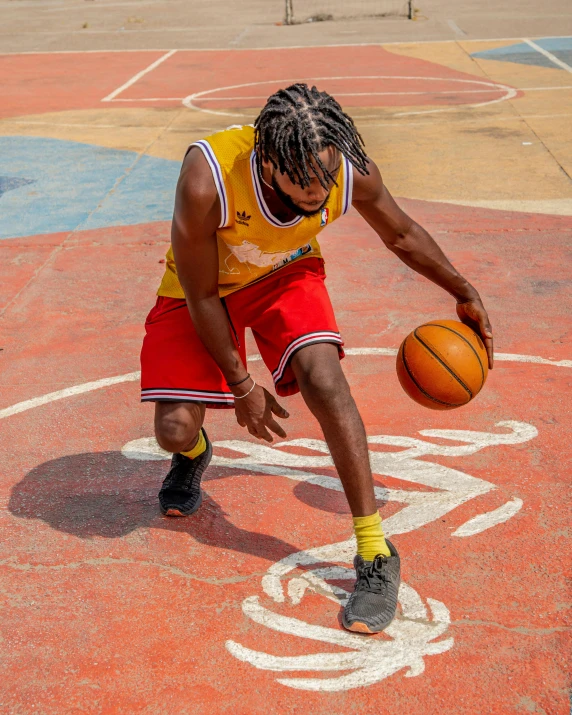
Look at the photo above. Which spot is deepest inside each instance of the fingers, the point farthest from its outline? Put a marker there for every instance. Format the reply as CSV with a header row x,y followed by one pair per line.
x,y
260,432
275,427
469,320
258,417
484,325
278,410
488,341
475,316
490,352
487,336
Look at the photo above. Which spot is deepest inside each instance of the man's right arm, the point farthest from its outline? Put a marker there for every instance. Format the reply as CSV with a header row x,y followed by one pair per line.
x,y
193,237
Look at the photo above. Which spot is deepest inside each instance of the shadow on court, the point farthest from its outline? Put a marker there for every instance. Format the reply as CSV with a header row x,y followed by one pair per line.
x,y
102,494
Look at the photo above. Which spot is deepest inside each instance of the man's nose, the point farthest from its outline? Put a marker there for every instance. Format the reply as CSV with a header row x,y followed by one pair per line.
x,y
317,193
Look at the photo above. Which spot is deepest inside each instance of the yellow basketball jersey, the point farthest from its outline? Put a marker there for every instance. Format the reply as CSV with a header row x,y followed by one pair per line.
x,y
252,243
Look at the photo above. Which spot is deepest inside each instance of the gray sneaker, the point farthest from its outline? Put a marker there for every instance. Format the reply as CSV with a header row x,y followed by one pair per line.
x,y
372,605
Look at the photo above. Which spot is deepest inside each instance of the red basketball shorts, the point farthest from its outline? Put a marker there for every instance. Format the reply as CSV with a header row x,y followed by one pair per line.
x,y
286,311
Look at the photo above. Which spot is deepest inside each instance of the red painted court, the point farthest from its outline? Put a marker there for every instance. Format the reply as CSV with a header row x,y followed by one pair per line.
x,y
109,607
377,78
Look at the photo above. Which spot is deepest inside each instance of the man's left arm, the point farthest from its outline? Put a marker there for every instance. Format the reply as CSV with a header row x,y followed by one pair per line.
x,y
415,247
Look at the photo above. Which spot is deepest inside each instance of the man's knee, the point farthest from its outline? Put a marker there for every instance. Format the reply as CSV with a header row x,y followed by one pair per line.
x,y
319,374
177,425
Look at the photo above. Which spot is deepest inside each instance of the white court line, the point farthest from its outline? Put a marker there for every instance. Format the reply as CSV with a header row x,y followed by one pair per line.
x,y
280,47
345,94
549,55
519,119
489,88
189,101
456,29
370,94
135,78
485,521
67,392
87,123
502,357
133,376
148,99
543,89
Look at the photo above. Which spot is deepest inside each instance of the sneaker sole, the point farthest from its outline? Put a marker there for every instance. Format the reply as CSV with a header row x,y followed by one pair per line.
x,y
360,627
177,512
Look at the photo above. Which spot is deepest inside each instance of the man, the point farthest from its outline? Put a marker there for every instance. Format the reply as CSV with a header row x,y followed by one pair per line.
x,y
249,203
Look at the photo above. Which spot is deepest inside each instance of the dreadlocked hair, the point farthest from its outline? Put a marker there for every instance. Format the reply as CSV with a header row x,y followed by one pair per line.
x,y
298,122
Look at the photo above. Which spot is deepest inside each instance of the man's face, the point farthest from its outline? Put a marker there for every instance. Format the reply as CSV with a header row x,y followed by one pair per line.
x,y
309,200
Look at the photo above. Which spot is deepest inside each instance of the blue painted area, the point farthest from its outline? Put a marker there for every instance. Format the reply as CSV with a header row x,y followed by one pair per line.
x,y
146,194
523,54
9,183
560,47
80,186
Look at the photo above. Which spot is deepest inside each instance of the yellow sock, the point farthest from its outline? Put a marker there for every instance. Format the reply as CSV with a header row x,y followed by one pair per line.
x,y
199,447
370,537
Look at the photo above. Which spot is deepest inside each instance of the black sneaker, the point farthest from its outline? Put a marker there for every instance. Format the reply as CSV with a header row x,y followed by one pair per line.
x,y
181,493
373,604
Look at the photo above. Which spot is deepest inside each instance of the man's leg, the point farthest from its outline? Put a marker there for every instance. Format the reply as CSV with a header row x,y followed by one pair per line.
x,y
177,371
326,392
177,425
178,430
372,605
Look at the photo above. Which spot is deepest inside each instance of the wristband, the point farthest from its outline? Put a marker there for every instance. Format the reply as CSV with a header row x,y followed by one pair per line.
x,y
234,384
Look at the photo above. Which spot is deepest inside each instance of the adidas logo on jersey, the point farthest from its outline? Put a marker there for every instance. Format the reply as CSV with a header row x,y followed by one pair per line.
x,y
242,218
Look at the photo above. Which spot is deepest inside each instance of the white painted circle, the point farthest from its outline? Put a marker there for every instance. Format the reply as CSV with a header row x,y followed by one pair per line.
x,y
34,402
206,95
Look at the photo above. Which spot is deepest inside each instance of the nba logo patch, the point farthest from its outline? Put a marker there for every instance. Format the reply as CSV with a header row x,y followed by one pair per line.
x,y
324,217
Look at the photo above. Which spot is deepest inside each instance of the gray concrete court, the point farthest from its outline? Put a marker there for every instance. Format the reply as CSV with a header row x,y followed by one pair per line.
x,y
40,25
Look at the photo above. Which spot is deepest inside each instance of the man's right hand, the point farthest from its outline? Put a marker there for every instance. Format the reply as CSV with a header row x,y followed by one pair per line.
x,y
256,411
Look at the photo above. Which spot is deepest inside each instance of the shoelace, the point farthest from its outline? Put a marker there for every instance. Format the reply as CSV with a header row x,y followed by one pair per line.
x,y
373,578
180,475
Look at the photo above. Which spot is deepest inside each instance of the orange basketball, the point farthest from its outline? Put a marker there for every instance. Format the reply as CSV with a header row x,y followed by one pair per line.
x,y
442,364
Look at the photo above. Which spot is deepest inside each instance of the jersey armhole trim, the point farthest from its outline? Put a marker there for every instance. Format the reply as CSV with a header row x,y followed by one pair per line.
x,y
209,155
348,186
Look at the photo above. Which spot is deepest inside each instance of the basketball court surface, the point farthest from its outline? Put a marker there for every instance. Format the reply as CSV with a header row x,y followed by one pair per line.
x,y
110,608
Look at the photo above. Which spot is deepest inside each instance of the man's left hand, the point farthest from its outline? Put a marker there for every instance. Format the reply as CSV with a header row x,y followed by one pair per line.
x,y
473,314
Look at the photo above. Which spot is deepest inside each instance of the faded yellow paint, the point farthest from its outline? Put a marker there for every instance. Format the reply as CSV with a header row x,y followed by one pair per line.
x,y
126,129
522,76
470,46
449,54
187,127
153,131
467,160
547,102
556,133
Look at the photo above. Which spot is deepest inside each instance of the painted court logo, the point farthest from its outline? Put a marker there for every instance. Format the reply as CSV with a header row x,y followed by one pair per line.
x,y
324,217
420,629
242,218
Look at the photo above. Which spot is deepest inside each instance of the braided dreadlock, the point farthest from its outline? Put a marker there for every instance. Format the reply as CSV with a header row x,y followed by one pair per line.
x,y
298,122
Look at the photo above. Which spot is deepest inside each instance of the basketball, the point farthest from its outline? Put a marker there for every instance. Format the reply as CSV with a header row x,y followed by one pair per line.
x,y
442,364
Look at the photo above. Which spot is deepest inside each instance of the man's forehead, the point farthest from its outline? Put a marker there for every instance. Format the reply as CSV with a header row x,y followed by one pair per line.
x,y
330,158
